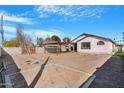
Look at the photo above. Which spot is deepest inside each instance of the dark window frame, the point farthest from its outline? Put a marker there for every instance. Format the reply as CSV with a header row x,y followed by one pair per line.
x,y
86,45
100,43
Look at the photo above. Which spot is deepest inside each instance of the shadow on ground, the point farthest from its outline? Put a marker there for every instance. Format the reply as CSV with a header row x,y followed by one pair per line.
x,y
34,82
17,79
110,74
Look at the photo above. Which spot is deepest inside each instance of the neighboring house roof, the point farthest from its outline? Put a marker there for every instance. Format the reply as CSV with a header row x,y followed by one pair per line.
x,y
65,43
90,35
50,42
54,43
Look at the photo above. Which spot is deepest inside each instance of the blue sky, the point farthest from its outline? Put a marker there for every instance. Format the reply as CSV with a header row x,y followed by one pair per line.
x,y
64,21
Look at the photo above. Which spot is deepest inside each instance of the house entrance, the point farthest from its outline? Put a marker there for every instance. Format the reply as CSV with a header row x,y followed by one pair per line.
x,y
75,47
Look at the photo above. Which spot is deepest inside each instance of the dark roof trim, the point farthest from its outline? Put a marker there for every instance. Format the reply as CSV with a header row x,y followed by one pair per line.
x,y
90,35
77,37
81,39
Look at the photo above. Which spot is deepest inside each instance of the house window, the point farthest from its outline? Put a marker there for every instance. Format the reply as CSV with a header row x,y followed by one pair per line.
x,y
85,45
100,43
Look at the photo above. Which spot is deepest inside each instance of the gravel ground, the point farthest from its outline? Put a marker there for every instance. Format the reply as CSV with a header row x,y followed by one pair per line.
x,y
110,75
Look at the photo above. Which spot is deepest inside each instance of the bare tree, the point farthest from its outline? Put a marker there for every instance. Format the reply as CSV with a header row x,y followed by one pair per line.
x,y
20,36
24,40
40,41
28,40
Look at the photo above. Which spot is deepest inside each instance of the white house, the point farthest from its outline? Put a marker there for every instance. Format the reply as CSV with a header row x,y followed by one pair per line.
x,y
88,43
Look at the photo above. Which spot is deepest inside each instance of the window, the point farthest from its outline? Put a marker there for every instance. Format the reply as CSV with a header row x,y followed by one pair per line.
x,y
100,43
85,45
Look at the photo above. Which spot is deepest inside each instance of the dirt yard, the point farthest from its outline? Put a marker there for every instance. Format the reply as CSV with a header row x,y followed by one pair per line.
x,y
63,70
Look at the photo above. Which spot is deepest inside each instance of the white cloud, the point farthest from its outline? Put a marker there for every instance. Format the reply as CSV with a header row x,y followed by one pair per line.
x,y
26,13
18,19
13,18
44,33
10,31
9,36
72,11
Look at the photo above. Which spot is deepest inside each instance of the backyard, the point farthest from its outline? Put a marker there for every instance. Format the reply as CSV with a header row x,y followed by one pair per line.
x,y
51,70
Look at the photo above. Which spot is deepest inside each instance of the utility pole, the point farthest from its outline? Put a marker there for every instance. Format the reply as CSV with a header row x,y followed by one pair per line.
x,y
1,30
2,35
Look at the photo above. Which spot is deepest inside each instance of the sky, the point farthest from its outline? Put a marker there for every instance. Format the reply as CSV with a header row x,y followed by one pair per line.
x,y
63,21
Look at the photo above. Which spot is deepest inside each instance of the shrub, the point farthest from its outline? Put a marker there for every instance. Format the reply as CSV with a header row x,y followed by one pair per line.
x,y
120,54
11,43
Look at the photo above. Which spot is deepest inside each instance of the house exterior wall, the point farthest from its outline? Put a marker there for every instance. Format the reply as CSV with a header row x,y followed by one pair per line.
x,y
63,48
66,47
40,50
108,47
123,48
71,45
114,47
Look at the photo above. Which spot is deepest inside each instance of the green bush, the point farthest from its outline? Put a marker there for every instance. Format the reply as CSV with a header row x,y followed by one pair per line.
x,y
120,54
55,38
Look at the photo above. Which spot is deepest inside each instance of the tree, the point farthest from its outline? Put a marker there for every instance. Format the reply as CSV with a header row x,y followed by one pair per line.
x,y
11,43
20,35
40,41
55,38
66,39
123,35
48,39
24,40
28,40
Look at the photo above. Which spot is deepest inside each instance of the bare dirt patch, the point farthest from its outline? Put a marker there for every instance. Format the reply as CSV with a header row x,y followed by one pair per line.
x,y
63,70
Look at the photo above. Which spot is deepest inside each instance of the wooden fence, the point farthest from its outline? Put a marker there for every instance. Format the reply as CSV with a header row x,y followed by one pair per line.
x,y
28,50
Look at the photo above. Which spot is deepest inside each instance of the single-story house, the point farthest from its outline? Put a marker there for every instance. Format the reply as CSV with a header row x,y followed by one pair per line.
x,y
120,47
51,46
88,43
57,47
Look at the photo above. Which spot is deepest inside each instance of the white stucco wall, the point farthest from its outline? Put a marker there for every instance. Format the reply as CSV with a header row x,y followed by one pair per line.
x,y
107,48
64,48
40,50
123,48
17,50
11,50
